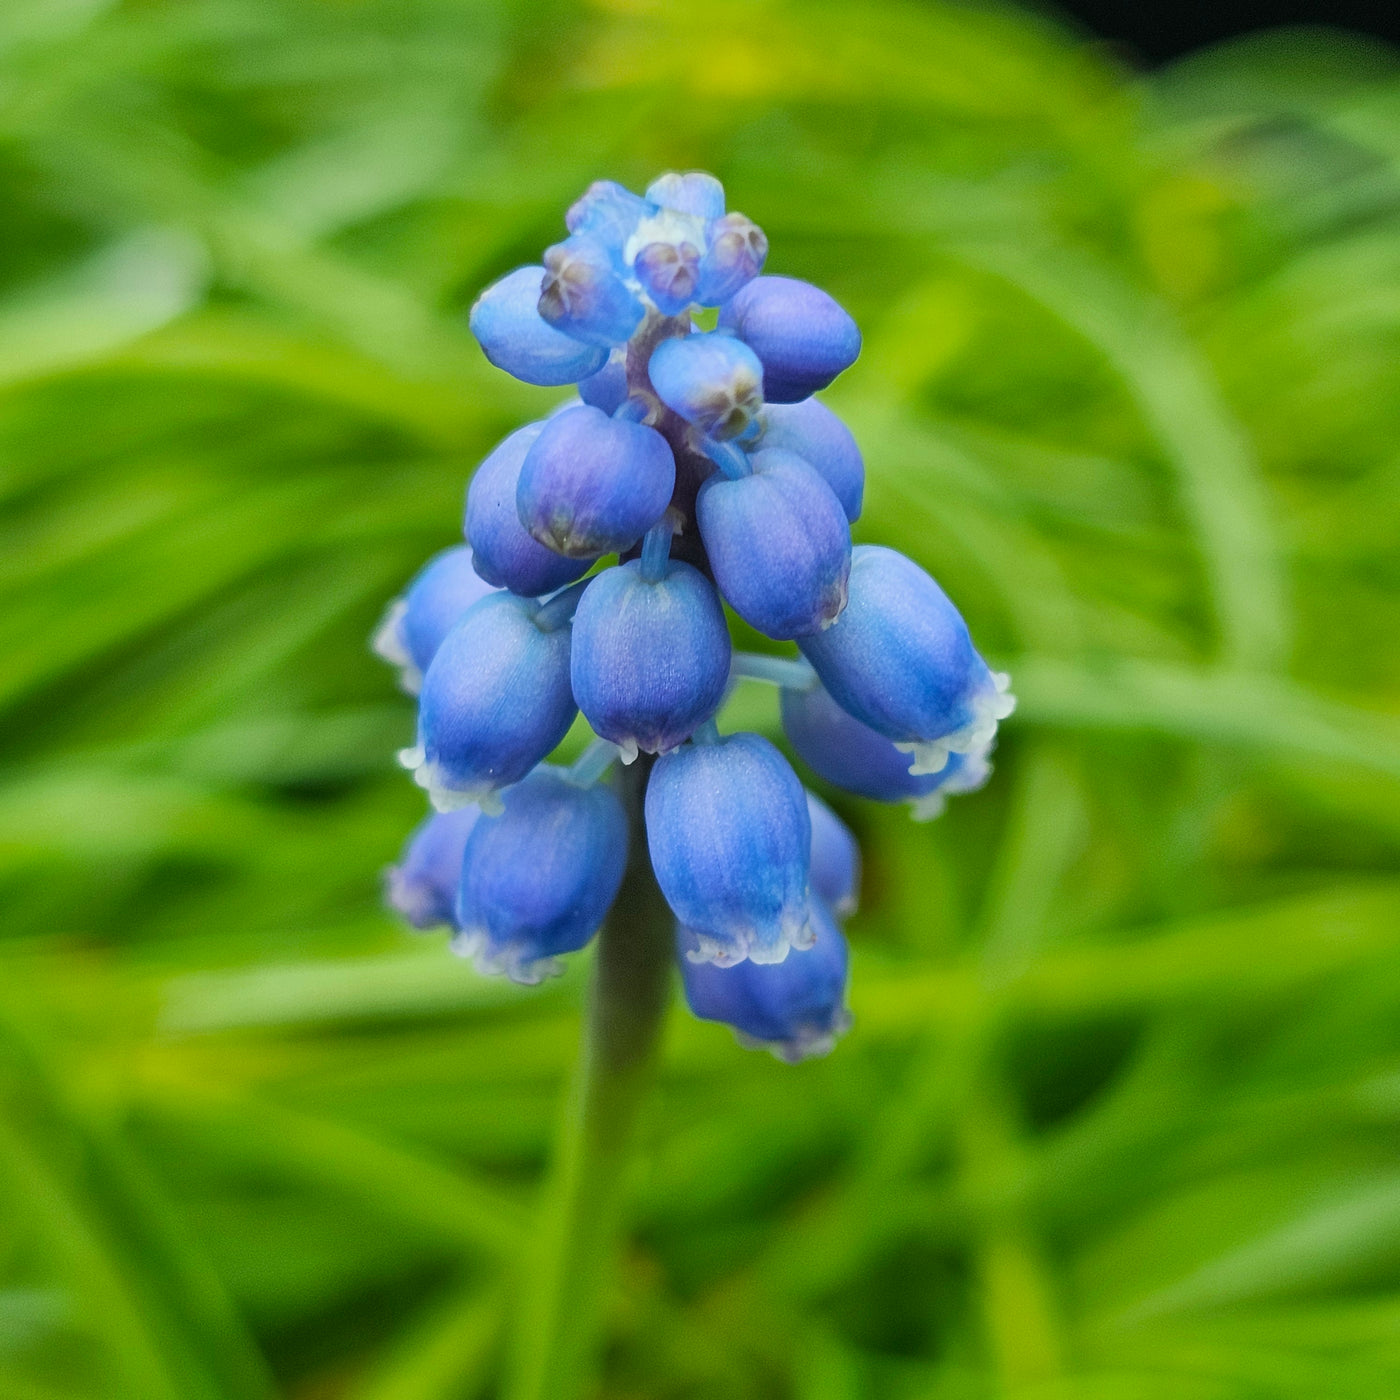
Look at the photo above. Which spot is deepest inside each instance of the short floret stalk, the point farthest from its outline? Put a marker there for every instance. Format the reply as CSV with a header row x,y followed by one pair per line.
x,y
571,1270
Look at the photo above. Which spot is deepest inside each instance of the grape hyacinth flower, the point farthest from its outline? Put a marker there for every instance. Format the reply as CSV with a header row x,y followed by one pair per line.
x,y
693,470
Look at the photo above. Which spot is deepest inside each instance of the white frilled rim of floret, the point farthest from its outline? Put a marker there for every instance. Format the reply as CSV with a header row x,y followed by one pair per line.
x,y
989,708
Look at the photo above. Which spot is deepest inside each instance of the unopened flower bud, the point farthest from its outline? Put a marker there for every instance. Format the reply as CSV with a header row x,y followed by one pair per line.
x,y
650,658
735,253
583,296
506,321
591,484
799,332
818,436
711,380
495,701
778,543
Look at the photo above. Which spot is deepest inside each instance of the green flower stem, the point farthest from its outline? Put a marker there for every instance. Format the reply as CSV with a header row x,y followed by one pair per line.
x,y
559,1313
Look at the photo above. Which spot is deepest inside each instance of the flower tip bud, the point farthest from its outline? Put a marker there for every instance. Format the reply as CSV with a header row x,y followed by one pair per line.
x,y
582,295
736,249
669,273
713,381
694,192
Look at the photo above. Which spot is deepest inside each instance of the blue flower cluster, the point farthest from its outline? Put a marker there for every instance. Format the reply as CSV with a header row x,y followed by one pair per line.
x,y
700,461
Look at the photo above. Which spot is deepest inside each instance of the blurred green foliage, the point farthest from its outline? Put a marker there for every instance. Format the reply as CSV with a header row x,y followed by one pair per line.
x,y
1121,1109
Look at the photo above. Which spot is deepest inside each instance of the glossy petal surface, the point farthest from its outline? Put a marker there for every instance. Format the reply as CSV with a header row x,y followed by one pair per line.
x,y
650,660
495,701
591,484
779,545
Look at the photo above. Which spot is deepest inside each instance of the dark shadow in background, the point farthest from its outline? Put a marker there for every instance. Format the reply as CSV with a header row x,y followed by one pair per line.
x,y
1154,31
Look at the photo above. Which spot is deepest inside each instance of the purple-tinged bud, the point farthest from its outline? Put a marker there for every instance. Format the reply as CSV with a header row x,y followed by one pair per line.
x,y
495,701
583,296
835,869
711,380
730,841
800,333
735,253
851,755
412,630
778,543
538,879
669,273
818,436
694,192
593,485
609,213
795,1009
900,660
650,659
503,552
607,390
514,336
423,885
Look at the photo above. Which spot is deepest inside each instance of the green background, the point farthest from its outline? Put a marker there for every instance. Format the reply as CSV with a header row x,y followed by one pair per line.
x,y
1119,1115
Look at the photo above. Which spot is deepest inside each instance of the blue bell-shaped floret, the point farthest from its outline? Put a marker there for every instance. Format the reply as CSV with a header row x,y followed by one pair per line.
x,y
693,192
778,543
650,657
735,253
495,701
442,590
538,879
730,841
584,296
795,1009
503,552
593,485
835,868
423,885
819,437
506,321
711,380
900,660
802,336
851,755
609,214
